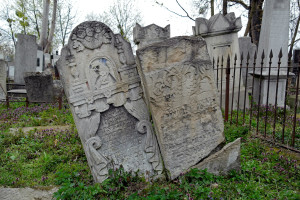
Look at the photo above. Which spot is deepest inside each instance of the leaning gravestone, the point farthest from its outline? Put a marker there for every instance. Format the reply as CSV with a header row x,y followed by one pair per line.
x,y
3,72
25,57
100,79
39,87
179,81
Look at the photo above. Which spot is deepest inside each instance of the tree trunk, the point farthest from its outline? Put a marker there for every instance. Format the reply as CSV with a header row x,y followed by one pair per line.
x,y
256,20
43,38
52,28
212,7
295,35
224,7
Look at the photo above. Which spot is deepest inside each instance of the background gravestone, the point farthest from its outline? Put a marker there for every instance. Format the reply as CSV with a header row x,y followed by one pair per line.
x,y
274,35
100,80
152,33
246,46
179,81
220,34
25,57
39,87
3,72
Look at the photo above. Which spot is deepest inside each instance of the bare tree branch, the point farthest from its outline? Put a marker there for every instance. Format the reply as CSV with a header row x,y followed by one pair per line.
x,y
241,2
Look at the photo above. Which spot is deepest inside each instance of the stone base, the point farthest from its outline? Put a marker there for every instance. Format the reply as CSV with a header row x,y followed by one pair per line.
x,y
228,158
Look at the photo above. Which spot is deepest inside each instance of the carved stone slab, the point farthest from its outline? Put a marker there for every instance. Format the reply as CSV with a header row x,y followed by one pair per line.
x,y
39,87
179,81
100,79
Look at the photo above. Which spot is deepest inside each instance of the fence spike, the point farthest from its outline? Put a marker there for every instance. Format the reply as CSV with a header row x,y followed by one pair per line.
x,y
222,60
228,58
280,54
271,54
263,55
218,60
255,56
248,56
242,56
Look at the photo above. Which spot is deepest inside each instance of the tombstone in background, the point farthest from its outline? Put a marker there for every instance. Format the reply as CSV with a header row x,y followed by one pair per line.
x,y
246,46
220,34
144,36
181,92
274,35
39,87
25,57
100,79
296,61
3,76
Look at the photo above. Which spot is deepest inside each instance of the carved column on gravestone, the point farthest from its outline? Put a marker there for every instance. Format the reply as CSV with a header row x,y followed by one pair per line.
x,y
100,79
181,92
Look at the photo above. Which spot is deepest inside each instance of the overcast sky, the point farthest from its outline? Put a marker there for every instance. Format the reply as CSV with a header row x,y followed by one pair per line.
x,y
151,13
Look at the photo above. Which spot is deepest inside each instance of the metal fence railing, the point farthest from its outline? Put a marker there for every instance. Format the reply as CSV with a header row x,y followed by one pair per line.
x,y
265,99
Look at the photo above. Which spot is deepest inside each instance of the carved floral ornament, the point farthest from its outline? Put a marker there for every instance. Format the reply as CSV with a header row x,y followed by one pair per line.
x,y
178,80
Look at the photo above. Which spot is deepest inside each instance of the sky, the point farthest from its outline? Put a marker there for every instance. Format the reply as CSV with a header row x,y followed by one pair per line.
x,y
151,13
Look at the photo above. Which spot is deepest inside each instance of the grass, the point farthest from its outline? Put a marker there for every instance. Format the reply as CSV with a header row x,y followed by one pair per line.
x,y
44,159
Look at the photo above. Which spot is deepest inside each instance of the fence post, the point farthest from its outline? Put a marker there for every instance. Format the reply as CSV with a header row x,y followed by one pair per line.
x,y
227,89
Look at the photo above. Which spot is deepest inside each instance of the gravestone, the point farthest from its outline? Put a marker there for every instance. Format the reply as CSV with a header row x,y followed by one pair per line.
x,y
144,36
39,87
274,35
296,61
220,34
181,92
247,47
25,57
101,82
3,76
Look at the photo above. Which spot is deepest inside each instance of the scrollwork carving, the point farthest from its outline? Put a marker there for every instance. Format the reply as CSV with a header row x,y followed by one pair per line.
x,y
97,161
151,146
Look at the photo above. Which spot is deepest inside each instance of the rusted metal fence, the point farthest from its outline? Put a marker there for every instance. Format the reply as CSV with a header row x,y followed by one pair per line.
x,y
266,99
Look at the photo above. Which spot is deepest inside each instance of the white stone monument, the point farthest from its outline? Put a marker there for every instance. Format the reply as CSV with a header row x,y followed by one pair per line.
x,y
274,35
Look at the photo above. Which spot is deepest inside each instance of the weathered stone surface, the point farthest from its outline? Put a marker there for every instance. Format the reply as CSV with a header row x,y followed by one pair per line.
x,y
222,41
150,34
274,35
39,87
26,194
3,75
101,82
179,81
247,47
25,57
217,24
228,158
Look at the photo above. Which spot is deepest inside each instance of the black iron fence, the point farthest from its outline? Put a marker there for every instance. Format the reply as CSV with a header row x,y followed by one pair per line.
x,y
266,98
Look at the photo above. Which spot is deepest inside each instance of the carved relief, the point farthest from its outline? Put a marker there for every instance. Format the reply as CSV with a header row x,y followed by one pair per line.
x,y
111,116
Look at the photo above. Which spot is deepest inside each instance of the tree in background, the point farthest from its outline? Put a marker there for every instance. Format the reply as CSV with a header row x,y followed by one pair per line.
x,y
121,17
43,18
254,10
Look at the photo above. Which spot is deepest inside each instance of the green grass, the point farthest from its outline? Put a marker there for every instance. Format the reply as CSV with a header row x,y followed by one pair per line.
x,y
56,158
